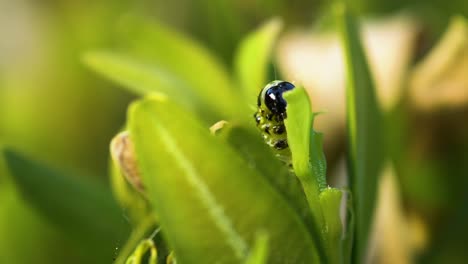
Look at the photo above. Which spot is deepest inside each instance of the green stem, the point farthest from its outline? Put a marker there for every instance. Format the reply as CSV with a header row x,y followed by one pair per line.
x,y
135,238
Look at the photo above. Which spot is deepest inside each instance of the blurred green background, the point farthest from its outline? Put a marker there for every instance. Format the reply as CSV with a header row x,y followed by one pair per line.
x,y
54,109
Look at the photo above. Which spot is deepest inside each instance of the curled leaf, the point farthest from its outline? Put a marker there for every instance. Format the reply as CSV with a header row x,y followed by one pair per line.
x,y
123,154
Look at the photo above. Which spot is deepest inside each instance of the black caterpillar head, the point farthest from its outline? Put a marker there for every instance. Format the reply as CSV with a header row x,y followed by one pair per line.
x,y
271,98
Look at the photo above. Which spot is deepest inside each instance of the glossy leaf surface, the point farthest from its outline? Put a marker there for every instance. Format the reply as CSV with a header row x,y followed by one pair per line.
x,y
209,201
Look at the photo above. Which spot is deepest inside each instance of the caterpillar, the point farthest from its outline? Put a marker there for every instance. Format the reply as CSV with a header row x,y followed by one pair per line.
x,y
270,116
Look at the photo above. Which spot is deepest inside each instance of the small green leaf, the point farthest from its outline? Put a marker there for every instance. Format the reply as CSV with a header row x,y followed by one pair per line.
x,y
253,57
318,162
144,247
307,155
209,201
84,210
330,200
364,129
182,57
259,252
139,232
299,128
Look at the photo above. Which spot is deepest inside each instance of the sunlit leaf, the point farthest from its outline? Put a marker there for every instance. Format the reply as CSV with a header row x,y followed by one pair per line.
x,y
310,169
299,129
209,201
330,200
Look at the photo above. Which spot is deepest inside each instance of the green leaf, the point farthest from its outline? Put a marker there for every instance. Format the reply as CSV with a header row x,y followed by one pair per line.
x,y
259,252
253,57
348,237
330,200
364,129
209,201
143,77
139,233
146,246
250,146
83,210
307,155
134,204
318,162
184,58
299,128
138,76
221,25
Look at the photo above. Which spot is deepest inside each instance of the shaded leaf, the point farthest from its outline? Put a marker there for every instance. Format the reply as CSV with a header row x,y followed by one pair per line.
x,y
133,203
143,77
348,237
139,233
253,57
139,77
201,188
146,246
259,156
364,129
318,162
184,58
82,209
219,24
440,79
259,252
